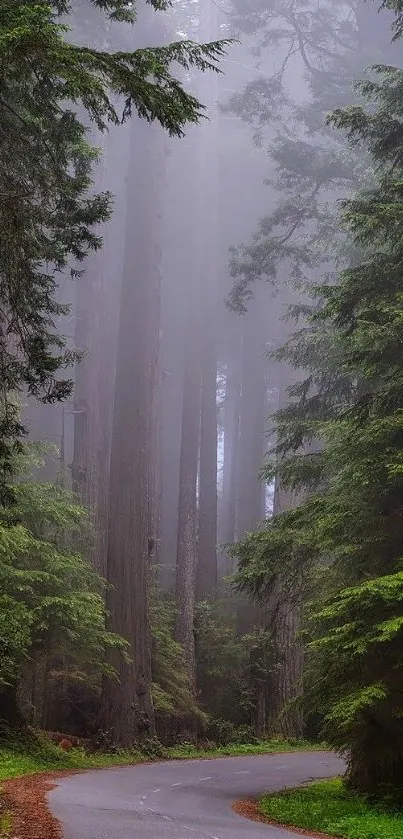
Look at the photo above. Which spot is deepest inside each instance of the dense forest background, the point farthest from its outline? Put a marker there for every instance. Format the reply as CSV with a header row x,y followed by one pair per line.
x,y
200,349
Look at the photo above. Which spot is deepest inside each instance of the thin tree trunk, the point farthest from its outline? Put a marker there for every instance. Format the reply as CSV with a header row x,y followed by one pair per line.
x,y
187,516
206,582
155,418
253,422
208,276
227,508
172,397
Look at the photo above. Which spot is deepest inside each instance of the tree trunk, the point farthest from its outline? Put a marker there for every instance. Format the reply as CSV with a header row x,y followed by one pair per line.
x,y
284,714
97,300
375,761
227,507
200,378
259,691
253,422
172,397
208,276
127,712
206,579
187,514
283,619
10,714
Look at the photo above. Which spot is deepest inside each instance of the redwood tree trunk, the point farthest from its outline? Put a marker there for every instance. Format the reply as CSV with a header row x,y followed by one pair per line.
x,y
227,506
9,710
127,712
253,422
97,304
207,279
283,617
284,714
187,514
206,583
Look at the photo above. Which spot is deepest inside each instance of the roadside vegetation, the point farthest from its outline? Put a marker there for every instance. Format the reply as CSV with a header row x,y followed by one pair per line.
x,y
31,753
328,807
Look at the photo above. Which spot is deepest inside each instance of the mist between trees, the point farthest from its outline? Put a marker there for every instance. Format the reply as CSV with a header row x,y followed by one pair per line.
x,y
201,431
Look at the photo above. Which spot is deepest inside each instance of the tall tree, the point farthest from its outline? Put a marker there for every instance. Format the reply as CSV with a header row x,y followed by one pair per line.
x,y
47,175
252,423
227,508
300,236
352,519
127,711
51,602
96,315
206,582
186,558
197,517
206,577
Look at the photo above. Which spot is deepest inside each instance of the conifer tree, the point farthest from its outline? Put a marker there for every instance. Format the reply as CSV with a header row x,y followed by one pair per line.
x,y
300,239
51,601
48,215
346,538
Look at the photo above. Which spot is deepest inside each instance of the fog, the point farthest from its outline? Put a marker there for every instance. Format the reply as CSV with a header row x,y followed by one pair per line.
x,y
213,237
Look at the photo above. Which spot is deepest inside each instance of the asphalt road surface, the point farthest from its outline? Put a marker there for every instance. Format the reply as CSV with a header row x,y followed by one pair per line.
x,y
181,799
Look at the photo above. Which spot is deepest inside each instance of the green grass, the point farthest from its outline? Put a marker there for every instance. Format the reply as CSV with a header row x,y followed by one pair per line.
x,y
16,761
27,756
327,807
237,750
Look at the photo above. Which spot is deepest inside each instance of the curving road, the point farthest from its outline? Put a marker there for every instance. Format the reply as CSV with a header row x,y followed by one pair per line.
x,y
181,799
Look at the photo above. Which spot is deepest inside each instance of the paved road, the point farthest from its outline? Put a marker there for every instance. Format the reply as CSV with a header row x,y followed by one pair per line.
x,y
181,799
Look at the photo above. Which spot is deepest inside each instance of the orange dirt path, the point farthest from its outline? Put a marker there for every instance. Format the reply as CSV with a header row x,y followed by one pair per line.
x,y
25,799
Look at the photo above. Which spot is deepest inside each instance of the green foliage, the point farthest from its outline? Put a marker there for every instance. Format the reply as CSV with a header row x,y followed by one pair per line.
x,y
329,808
48,215
221,711
339,441
31,752
260,747
353,516
173,699
51,601
222,657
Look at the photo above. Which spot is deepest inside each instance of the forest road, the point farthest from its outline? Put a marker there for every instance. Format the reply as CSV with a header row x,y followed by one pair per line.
x,y
181,799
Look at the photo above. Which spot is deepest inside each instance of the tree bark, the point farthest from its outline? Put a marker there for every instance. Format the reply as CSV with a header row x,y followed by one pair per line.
x,y
10,714
200,386
253,422
127,711
208,280
97,302
284,715
206,578
283,619
227,506
187,514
